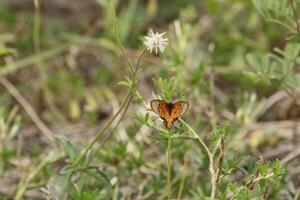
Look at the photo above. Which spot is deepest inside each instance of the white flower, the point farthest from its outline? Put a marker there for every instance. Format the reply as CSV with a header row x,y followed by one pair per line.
x,y
156,41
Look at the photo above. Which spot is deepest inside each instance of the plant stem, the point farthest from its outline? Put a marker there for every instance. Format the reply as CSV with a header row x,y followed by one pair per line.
x,y
215,175
28,108
213,179
220,163
169,165
107,136
37,25
117,37
24,183
126,102
211,48
263,177
198,138
182,181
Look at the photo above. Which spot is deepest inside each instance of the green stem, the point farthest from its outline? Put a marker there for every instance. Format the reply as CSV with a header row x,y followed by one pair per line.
x,y
125,108
106,126
23,185
169,165
207,151
184,174
36,25
127,100
114,18
213,173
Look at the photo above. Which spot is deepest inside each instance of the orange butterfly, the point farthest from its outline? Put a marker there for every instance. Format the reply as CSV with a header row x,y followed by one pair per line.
x,y
169,112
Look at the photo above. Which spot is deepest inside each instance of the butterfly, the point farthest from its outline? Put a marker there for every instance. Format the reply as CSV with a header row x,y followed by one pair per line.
x,y
169,112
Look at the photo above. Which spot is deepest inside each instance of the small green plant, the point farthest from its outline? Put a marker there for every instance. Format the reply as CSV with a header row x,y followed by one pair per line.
x,y
278,66
9,126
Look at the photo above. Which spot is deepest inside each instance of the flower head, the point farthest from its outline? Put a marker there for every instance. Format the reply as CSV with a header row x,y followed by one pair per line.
x,y
156,41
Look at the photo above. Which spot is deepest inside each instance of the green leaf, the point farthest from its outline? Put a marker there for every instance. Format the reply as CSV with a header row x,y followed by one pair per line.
x,y
96,173
278,169
7,69
127,82
126,19
6,51
264,169
143,118
232,164
294,38
166,88
218,133
67,145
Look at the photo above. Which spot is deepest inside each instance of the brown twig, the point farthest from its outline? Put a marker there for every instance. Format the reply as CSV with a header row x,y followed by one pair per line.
x,y
215,174
27,107
292,95
253,183
220,160
266,193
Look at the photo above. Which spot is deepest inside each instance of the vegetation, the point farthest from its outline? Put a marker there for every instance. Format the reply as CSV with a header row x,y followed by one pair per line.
x,y
77,80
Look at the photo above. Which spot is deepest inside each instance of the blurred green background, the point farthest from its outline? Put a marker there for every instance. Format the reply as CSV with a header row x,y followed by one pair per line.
x,y
235,61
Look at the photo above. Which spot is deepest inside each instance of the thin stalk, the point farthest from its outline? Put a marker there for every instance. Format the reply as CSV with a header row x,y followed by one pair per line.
x,y
139,60
24,184
211,48
36,41
108,124
263,177
213,179
212,96
220,163
213,173
124,106
28,108
107,136
40,65
207,151
36,25
182,180
169,182
266,193
114,18
126,102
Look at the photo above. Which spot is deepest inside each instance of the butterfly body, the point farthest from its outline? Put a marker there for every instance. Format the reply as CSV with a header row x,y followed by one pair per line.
x,y
169,112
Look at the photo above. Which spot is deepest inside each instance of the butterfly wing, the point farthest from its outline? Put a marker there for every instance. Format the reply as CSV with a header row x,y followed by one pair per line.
x,y
169,112
178,108
160,108
183,106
